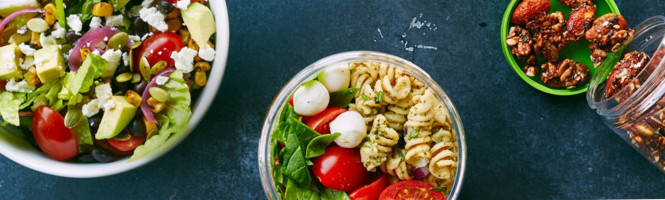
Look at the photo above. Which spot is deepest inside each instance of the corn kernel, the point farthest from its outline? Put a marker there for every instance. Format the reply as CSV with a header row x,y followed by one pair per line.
x,y
155,106
133,97
48,13
102,9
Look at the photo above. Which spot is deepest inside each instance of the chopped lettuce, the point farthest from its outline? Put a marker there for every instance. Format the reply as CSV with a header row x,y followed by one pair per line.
x,y
81,81
45,95
118,4
16,136
60,13
172,120
82,132
10,106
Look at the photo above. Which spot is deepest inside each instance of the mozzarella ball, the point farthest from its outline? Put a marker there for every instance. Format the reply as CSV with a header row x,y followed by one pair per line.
x,y
336,77
352,127
310,98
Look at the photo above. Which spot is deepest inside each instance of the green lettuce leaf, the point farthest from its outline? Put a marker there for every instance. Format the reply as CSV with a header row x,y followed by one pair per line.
x,y
45,95
10,106
16,136
172,120
80,81
60,13
118,4
83,134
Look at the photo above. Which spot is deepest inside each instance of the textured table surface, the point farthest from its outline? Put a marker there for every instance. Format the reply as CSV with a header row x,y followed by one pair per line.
x,y
521,143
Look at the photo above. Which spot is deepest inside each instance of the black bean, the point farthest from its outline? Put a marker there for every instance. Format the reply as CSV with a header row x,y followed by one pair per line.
x,y
122,69
164,7
94,122
137,127
86,158
102,155
71,37
140,86
140,27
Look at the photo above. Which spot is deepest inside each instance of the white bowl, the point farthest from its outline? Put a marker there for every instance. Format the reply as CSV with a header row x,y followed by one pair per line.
x,y
23,153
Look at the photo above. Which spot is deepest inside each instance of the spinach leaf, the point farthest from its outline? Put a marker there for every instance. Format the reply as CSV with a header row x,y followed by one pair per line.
x,y
343,97
294,191
294,164
330,194
318,145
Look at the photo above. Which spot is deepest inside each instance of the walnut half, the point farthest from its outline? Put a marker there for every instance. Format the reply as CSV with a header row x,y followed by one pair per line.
x,y
567,73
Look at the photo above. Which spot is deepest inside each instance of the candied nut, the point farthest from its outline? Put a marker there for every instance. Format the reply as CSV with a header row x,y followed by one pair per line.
x,y
607,31
624,72
548,36
644,130
530,70
519,42
581,18
567,73
575,3
528,10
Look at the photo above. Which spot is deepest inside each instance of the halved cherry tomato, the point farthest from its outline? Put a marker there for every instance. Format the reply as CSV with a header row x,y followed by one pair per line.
x,y
127,145
3,83
52,136
410,190
371,191
340,169
321,122
158,47
291,100
105,145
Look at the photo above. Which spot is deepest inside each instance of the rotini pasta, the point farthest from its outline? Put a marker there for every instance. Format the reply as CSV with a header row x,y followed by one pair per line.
x,y
443,161
418,126
378,144
396,113
396,166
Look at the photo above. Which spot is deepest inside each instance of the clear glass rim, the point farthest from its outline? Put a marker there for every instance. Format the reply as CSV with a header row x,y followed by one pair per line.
x,y
264,154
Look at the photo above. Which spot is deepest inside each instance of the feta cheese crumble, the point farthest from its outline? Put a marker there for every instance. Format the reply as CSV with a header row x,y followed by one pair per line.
x,y
125,58
75,23
184,60
59,32
96,22
22,30
182,4
207,53
113,58
115,20
134,38
21,86
26,49
154,18
109,105
91,108
161,80
27,63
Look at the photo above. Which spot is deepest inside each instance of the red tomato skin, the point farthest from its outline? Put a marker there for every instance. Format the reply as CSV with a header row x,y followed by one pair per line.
x,y
164,42
2,84
105,145
340,169
52,136
321,122
415,191
370,191
127,145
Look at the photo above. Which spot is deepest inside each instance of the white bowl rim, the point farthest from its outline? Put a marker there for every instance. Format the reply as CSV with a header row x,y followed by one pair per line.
x,y
38,161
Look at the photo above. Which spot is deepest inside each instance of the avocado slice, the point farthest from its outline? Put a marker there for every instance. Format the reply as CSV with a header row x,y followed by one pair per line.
x,y
9,55
200,22
116,118
50,63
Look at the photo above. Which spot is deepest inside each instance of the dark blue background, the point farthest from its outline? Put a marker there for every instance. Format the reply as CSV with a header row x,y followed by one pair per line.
x,y
521,143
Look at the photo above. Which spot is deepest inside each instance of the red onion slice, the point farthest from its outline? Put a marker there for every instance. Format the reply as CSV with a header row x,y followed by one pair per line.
x,y
147,113
14,15
421,172
94,40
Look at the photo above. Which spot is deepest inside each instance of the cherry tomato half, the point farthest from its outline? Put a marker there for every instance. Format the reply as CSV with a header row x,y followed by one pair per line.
x,y
321,122
158,47
127,145
410,190
105,145
52,136
3,83
340,169
371,191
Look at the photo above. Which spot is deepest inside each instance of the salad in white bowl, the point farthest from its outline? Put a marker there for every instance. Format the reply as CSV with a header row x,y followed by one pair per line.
x,y
99,81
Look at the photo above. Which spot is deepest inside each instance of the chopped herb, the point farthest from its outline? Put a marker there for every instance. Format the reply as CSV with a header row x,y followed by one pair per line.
x,y
414,133
440,189
401,155
365,97
379,98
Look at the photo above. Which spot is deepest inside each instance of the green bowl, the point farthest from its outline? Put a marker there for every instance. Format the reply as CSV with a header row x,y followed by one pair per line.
x,y
577,51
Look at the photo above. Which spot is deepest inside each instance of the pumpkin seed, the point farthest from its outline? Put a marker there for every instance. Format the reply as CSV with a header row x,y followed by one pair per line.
x,y
37,25
17,38
159,94
122,136
66,47
144,66
124,77
135,45
158,67
73,117
136,78
118,40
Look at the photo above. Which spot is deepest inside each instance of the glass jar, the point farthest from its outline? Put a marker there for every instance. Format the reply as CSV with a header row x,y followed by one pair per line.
x,y
637,112
311,71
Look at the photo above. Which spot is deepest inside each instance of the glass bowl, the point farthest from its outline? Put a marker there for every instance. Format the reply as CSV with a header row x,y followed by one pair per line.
x,y
311,71
20,151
